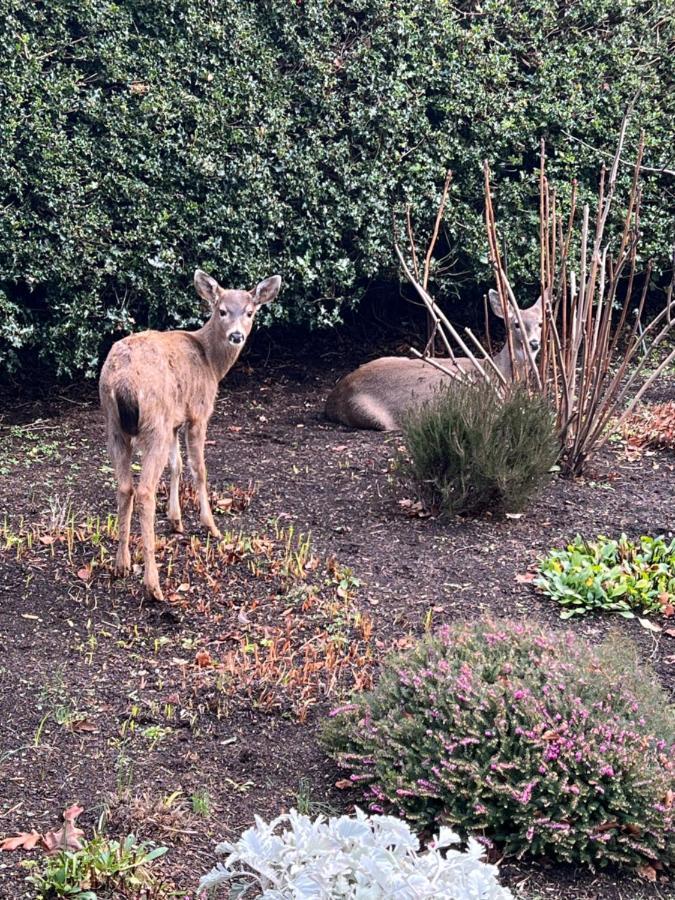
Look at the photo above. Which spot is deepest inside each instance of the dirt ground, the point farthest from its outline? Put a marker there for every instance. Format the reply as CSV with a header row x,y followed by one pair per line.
x,y
180,721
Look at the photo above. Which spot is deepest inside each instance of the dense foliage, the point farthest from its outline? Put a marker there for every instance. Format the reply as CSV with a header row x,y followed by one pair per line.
x,y
612,576
350,857
471,450
534,739
140,139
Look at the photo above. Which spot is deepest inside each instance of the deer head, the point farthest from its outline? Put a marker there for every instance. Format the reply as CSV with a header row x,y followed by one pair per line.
x,y
530,333
232,312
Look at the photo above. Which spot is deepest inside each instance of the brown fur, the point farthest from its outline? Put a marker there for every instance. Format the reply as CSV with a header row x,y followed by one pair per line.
x,y
154,383
378,394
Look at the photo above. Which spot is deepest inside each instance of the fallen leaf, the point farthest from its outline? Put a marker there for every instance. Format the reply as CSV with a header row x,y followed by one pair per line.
x,y
84,573
234,428
525,578
30,616
514,515
26,840
47,539
647,872
650,626
343,784
68,836
670,632
83,725
203,659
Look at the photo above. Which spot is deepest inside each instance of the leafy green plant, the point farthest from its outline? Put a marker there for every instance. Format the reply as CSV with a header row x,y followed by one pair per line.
x,y
535,739
102,868
470,450
607,575
288,132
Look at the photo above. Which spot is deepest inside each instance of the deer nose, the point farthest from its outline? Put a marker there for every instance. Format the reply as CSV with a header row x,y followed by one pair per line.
x,y
237,337
534,345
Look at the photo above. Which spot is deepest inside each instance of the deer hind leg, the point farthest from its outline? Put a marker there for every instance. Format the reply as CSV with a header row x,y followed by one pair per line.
x,y
119,447
196,435
153,464
176,467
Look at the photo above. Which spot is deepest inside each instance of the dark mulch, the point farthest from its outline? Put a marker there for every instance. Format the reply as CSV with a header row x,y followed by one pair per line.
x,y
115,703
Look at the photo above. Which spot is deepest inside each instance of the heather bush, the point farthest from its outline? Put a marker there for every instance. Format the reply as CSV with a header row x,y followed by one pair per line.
x,y
470,450
533,739
611,576
357,857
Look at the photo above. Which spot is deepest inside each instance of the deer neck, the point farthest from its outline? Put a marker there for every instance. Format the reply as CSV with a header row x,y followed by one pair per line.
x,y
503,362
220,354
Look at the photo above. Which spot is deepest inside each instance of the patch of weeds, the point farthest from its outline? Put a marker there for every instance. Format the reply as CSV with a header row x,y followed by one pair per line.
x,y
154,734
606,575
201,803
56,704
117,868
166,817
28,445
307,804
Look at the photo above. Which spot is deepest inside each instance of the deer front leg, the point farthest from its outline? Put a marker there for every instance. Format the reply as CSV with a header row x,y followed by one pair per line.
x,y
196,435
176,467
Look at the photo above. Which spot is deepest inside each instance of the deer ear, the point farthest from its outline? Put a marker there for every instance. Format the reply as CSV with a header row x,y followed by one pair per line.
x,y
495,303
206,287
267,290
539,306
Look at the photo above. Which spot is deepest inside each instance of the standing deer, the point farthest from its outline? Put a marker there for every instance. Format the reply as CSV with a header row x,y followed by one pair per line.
x,y
153,383
379,394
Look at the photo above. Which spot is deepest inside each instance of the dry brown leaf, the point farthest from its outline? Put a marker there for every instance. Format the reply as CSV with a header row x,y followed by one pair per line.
x,y
343,784
203,659
26,840
647,872
68,836
525,578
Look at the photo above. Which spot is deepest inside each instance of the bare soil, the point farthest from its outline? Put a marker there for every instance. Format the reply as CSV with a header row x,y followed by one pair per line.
x,y
180,721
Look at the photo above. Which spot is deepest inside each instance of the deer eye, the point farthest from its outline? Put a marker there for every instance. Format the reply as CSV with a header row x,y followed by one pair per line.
x,y
223,313
250,313
516,326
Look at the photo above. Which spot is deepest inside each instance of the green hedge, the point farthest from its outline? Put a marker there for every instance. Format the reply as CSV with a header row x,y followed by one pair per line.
x,y
139,139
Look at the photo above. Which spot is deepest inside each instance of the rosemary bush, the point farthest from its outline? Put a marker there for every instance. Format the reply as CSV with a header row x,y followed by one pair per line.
x,y
472,451
536,740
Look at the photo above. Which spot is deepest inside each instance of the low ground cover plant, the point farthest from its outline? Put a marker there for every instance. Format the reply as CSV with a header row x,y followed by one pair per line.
x,y
535,740
101,868
622,576
472,451
350,857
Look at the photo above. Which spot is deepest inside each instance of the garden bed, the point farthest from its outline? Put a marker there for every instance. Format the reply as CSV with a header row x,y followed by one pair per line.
x,y
213,699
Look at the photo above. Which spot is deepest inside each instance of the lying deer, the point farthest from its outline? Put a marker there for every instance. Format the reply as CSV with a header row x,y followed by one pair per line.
x,y
153,383
379,394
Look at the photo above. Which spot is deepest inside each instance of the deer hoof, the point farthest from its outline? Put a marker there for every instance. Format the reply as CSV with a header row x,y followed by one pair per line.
x,y
154,591
122,565
215,532
176,526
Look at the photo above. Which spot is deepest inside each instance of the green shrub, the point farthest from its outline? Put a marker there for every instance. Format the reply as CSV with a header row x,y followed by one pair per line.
x,y
611,576
471,451
530,737
139,140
